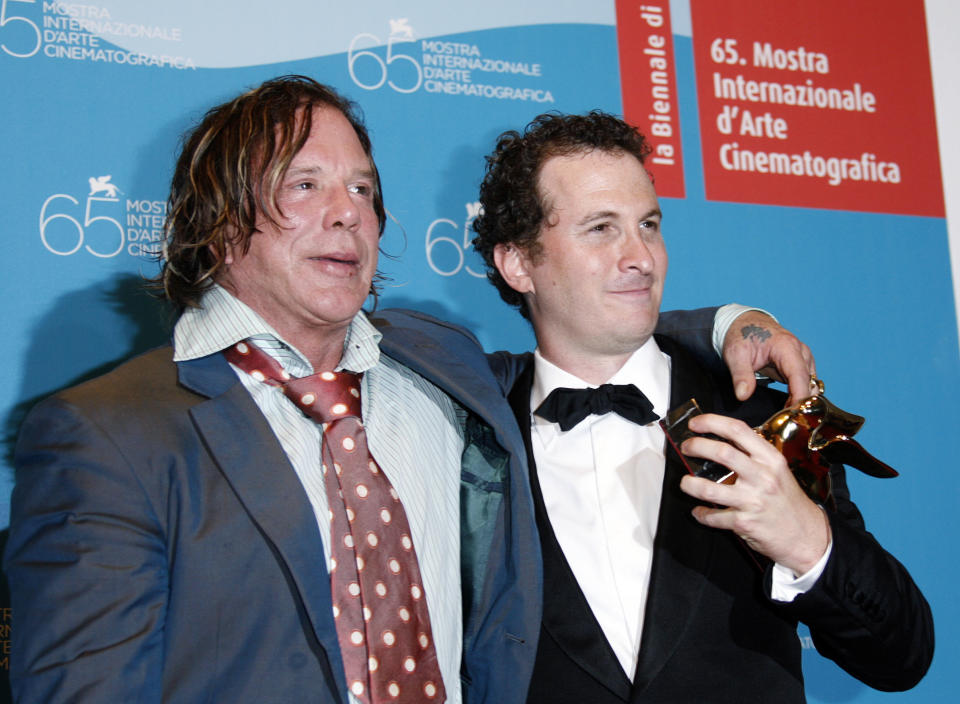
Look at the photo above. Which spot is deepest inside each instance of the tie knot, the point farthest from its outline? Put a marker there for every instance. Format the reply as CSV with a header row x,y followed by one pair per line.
x,y
601,399
327,396
324,397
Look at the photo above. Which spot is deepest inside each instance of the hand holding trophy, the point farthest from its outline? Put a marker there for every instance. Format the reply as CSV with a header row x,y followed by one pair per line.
x,y
811,435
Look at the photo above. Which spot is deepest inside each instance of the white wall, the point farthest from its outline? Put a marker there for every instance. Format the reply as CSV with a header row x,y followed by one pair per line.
x,y
943,19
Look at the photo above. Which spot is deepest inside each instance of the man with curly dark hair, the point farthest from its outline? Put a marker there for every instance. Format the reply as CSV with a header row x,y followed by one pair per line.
x,y
513,209
642,603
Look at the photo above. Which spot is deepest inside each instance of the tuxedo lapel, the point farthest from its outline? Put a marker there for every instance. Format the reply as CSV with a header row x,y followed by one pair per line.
x,y
248,453
682,549
567,616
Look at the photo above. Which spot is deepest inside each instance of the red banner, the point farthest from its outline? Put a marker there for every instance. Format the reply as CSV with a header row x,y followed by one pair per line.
x,y
648,81
820,104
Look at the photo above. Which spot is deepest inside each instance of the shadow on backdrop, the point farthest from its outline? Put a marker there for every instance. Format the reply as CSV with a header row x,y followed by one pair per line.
x,y
84,335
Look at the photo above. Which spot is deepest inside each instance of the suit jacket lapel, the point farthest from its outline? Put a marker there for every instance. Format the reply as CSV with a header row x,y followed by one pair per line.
x,y
248,453
566,612
682,550
415,350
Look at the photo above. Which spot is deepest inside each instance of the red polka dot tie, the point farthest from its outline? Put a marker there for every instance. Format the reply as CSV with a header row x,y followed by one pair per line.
x,y
378,599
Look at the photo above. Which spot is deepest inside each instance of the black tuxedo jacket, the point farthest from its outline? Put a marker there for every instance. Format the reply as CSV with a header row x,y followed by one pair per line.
x,y
711,633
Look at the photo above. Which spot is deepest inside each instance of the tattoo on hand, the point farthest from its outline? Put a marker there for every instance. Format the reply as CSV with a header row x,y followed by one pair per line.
x,y
756,333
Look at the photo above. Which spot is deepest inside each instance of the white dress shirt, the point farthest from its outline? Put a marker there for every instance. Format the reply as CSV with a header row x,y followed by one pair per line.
x,y
411,429
601,482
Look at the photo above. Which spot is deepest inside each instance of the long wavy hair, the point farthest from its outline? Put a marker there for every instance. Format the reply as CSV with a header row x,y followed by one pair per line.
x,y
227,176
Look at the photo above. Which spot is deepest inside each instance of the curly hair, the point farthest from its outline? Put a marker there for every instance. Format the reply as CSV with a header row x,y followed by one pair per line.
x,y
513,208
227,175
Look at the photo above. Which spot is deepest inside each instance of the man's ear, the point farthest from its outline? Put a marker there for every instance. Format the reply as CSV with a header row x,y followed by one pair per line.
x,y
513,265
231,251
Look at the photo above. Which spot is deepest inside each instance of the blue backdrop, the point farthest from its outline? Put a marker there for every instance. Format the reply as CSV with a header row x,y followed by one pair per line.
x,y
93,99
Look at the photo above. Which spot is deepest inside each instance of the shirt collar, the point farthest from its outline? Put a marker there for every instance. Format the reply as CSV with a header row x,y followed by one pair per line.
x,y
222,320
648,368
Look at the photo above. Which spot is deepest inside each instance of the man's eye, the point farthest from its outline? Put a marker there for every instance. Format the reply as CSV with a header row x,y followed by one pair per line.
x,y
361,189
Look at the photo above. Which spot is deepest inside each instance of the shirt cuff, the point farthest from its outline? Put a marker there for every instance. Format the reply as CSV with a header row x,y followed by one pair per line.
x,y
786,586
723,320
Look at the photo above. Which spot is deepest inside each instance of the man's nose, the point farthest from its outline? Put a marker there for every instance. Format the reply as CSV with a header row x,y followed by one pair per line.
x,y
342,210
636,254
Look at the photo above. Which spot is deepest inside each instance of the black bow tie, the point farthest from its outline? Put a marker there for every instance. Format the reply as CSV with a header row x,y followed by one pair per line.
x,y
567,407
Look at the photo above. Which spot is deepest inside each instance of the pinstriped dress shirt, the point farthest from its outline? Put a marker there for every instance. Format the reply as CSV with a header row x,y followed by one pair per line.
x,y
412,430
